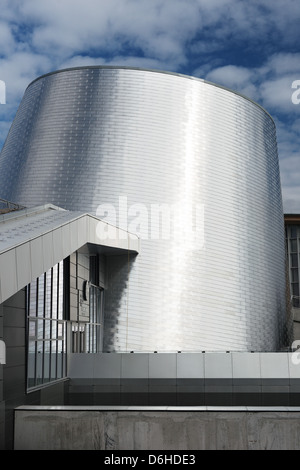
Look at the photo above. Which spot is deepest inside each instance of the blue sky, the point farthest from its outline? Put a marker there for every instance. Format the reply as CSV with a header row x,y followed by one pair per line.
x,y
250,46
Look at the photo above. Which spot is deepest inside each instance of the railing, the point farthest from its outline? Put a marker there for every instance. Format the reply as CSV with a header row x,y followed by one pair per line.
x,y
8,206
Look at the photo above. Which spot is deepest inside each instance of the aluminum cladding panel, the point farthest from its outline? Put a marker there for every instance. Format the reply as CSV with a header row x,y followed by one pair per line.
x,y
193,168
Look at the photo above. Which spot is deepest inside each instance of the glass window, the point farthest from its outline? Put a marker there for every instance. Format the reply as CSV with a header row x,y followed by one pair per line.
x,y
294,230
295,290
32,328
60,291
295,275
39,363
46,328
48,293
88,337
40,328
31,363
40,287
60,330
53,375
293,246
96,316
32,298
54,329
46,369
54,290
294,261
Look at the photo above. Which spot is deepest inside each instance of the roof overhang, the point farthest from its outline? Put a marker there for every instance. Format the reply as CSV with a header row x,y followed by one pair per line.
x,y
33,240
292,219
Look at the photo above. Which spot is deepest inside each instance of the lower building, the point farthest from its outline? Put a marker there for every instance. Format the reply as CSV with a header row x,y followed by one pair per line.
x,y
54,271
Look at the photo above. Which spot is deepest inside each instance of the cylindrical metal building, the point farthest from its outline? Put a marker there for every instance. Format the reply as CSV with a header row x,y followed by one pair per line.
x,y
192,167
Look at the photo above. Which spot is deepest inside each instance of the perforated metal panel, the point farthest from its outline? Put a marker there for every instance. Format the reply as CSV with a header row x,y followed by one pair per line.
x,y
111,135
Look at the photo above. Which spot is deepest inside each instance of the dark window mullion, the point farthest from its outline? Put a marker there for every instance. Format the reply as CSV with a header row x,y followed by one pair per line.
x,y
44,330
50,339
35,343
56,329
35,363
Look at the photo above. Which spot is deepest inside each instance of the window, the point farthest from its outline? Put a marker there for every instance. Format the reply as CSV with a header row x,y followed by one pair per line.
x,y
46,328
295,275
294,261
295,290
294,231
293,257
88,337
94,330
95,327
293,246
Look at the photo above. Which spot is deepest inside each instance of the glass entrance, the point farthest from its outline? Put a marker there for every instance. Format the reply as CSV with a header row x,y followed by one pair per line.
x,y
88,337
94,333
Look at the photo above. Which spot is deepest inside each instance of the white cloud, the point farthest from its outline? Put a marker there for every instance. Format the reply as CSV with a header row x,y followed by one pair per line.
x,y
277,94
289,161
231,75
288,137
290,170
4,128
62,27
282,64
291,198
158,28
270,84
7,41
18,70
130,61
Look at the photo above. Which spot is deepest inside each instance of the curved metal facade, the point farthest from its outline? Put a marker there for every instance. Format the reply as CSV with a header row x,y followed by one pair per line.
x,y
148,142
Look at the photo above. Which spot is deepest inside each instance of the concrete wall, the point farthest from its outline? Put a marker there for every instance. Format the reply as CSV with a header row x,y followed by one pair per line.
x,y
96,429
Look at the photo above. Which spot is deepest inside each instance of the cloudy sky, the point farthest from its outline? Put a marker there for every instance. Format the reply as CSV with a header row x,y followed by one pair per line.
x,y
250,46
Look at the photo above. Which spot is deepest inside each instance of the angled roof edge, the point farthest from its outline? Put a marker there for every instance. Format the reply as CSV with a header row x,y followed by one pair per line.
x,y
37,249
26,212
